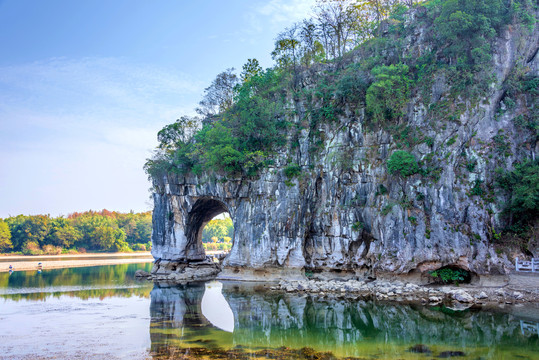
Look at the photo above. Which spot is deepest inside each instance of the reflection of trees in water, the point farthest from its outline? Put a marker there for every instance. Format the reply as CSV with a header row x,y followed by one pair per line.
x,y
275,320
84,282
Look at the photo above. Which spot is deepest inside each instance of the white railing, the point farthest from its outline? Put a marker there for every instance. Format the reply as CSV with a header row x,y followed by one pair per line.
x,y
529,328
532,265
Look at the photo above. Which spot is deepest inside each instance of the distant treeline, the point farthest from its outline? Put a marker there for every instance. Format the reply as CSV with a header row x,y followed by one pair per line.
x,y
107,231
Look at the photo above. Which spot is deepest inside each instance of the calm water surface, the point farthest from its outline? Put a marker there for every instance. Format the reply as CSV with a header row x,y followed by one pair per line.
x,y
104,312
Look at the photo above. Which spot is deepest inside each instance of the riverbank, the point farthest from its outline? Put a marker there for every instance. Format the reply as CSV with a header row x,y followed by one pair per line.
x,y
30,262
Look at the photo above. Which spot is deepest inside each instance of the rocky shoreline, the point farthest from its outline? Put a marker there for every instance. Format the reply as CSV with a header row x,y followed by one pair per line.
x,y
516,289
400,291
182,271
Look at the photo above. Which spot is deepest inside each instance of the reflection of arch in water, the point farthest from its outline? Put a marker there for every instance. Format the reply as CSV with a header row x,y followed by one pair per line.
x,y
265,320
202,212
215,308
180,314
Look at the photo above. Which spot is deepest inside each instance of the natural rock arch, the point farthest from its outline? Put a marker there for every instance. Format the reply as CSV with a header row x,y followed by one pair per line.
x,y
203,210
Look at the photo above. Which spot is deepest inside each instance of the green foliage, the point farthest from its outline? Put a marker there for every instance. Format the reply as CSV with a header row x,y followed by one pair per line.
x,y
413,220
448,275
245,121
382,190
471,164
219,228
250,69
477,188
402,163
389,93
464,32
387,209
98,231
292,170
522,187
352,85
237,140
5,237
357,226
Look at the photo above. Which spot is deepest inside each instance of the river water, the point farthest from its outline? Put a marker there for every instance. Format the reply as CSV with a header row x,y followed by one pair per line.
x,y
103,312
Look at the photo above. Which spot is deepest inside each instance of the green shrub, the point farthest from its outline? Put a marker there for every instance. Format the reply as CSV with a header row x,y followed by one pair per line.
x,y
388,95
522,187
403,163
448,275
477,189
358,225
382,190
292,170
387,209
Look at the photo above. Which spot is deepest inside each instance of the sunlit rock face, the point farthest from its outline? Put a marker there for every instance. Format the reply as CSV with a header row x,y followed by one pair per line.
x,y
334,215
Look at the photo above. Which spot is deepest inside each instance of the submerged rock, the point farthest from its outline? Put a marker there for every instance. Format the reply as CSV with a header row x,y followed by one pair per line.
x,y
420,349
142,273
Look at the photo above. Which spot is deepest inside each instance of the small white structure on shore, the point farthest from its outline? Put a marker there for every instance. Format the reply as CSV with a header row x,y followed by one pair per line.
x,y
531,266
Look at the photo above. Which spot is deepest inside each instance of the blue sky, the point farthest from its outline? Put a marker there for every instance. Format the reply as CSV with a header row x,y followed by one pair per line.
x,y
86,85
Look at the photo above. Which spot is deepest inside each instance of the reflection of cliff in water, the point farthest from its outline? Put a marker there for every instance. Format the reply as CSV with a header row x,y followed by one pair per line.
x,y
347,328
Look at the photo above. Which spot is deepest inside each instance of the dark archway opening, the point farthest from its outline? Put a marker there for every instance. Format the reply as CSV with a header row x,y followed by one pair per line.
x,y
451,274
202,213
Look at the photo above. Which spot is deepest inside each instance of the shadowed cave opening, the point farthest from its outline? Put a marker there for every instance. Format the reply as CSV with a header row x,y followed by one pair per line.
x,y
209,227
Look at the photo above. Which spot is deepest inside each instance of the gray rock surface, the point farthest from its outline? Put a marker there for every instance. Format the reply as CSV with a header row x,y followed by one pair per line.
x,y
332,217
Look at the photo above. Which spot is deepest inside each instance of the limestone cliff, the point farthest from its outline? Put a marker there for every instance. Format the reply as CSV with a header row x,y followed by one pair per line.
x,y
342,210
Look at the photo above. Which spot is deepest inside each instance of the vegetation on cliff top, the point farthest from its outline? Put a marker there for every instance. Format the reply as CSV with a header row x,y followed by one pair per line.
x,y
355,52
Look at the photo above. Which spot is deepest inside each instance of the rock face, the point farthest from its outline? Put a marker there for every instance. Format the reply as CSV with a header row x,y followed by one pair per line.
x,y
345,212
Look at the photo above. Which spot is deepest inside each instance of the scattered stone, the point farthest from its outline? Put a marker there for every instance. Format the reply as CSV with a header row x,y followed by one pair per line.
x,y
141,273
398,291
462,296
481,295
420,349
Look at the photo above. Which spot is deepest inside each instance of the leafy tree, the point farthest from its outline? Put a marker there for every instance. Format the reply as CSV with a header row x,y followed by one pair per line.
x,y
5,237
522,186
178,133
250,68
287,48
218,229
388,95
33,228
402,163
17,234
338,23
63,233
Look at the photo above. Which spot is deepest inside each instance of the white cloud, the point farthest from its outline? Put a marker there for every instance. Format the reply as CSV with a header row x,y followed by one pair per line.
x,y
282,13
